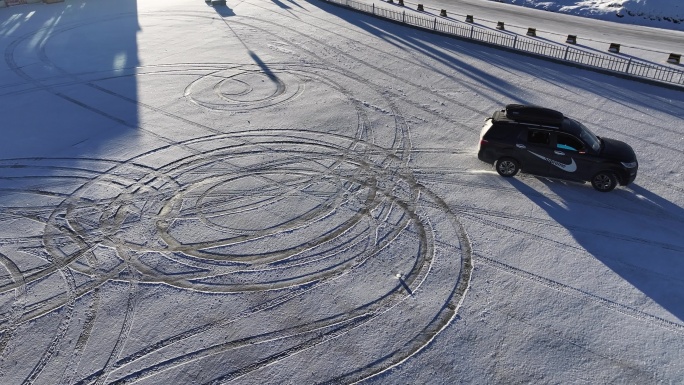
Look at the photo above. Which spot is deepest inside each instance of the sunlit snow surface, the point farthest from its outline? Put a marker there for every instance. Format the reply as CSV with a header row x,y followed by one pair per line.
x,y
667,14
289,192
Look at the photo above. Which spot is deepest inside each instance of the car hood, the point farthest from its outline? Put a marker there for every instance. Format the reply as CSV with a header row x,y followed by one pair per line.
x,y
617,150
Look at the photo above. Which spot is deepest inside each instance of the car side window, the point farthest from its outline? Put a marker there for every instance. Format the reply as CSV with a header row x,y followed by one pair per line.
x,y
538,137
568,142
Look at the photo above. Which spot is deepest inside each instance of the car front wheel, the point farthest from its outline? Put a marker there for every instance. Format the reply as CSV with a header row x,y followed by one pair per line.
x,y
507,167
604,181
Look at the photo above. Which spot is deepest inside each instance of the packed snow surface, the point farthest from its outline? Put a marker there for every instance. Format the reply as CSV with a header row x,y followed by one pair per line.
x,y
655,13
285,191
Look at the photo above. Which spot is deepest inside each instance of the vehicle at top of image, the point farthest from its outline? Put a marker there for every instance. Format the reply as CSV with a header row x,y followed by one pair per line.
x,y
544,142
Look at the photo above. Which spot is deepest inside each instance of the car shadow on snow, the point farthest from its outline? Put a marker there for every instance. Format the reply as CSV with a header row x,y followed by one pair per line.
x,y
633,232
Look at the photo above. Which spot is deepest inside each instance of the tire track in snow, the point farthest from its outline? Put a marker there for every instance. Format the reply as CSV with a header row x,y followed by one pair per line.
x,y
583,295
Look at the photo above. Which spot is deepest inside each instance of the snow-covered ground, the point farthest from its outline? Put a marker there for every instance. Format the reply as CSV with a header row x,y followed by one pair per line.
x,y
286,191
654,13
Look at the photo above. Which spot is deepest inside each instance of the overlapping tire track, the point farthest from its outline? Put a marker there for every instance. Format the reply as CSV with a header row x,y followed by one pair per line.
x,y
353,175
81,224
582,294
88,240
609,113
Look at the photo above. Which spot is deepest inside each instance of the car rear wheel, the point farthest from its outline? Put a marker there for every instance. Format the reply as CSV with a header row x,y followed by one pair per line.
x,y
604,181
507,167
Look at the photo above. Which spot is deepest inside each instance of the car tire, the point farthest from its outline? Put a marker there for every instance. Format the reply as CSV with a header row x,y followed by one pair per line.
x,y
507,167
604,181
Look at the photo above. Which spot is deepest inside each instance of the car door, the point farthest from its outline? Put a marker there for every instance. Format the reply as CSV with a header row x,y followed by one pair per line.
x,y
569,158
534,149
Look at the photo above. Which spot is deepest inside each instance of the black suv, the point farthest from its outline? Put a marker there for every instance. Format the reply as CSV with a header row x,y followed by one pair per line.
x,y
543,142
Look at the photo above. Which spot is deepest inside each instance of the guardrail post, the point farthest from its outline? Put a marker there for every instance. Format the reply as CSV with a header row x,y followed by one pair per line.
x,y
472,28
515,40
674,58
567,48
403,16
434,26
629,63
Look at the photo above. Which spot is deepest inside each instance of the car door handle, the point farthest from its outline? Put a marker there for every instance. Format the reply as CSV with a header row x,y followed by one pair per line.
x,y
520,145
559,152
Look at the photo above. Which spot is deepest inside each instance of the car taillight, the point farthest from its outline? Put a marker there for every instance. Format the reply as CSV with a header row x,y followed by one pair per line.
x,y
483,142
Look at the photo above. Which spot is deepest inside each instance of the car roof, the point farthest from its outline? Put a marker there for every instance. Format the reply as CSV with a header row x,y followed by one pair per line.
x,y
538,117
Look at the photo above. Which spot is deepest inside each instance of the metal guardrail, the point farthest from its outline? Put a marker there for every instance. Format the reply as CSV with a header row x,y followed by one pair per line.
x,y
565,53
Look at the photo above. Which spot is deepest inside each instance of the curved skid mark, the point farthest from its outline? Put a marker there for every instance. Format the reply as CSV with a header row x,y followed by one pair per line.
x,y
430,91
123,334
71,367
13,319
583,295
389,194
53,347
370,184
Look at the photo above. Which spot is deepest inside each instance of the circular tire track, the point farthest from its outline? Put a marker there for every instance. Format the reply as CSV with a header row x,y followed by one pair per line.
x,y
360,199
329,212
350,211
243,88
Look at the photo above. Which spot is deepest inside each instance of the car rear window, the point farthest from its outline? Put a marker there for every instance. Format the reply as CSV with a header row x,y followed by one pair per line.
x,y
499,131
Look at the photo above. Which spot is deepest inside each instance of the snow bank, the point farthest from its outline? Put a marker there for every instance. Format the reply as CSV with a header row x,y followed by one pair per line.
x,y
654,13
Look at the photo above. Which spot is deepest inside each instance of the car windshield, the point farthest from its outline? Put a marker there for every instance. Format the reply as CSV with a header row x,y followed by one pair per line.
x,y
588,137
